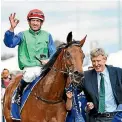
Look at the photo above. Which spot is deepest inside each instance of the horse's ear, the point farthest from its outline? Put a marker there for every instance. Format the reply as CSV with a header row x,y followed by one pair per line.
x,y
82,41
69,38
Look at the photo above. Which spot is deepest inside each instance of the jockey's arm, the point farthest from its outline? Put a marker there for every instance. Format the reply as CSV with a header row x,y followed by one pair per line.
x,y
51,48
11,40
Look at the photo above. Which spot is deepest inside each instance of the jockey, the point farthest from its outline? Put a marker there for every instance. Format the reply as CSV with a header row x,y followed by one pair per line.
x,y
31,43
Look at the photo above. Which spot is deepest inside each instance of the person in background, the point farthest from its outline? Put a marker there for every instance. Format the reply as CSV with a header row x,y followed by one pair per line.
x,y
103,87
5,81
5,78
90,67
31,44
75,105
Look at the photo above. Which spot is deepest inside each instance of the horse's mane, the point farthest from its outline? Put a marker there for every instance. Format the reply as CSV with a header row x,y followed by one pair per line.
x,y
46,68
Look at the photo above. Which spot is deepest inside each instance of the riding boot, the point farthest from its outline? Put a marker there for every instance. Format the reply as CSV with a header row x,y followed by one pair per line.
x,y
19,92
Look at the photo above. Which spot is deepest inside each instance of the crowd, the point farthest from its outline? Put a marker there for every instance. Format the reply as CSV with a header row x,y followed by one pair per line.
x,y
96,99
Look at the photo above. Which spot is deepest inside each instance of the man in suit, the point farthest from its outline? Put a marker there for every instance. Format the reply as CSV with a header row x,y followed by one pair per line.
x,y
103,88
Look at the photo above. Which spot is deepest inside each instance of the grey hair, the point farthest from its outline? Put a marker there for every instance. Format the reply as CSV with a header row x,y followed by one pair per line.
x,y
98,51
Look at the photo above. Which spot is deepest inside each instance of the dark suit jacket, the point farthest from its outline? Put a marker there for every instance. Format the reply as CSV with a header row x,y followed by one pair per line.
x,y
90,86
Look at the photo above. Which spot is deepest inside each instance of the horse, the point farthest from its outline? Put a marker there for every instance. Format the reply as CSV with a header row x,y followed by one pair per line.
x,y
46,103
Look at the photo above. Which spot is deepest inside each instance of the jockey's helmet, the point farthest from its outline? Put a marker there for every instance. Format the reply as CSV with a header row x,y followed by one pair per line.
x,y
36,14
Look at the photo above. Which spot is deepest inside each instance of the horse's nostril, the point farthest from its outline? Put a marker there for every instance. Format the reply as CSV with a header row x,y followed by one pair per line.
x,y
81,74
76,72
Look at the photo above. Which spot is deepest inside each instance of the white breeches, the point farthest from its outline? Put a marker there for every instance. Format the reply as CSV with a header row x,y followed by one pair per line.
x,y
30,73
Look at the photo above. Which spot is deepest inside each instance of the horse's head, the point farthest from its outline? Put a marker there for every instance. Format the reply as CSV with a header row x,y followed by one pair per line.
x,y
68,59
73,58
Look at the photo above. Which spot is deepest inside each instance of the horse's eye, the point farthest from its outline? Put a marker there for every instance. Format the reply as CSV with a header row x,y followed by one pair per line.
x,y
67,55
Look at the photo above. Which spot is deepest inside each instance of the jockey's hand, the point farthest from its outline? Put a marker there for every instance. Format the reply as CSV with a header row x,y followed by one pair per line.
x,y
44,61
89,106
13,22
69,94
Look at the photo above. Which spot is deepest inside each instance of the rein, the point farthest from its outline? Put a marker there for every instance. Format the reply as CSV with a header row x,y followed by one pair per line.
x,y
47,101
51,101
73,81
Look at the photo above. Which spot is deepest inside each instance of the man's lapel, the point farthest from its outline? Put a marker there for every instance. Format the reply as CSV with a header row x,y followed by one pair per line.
x,y
112,76
94,83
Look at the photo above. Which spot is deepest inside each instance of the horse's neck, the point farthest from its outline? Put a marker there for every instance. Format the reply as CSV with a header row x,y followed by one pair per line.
x,y
53,84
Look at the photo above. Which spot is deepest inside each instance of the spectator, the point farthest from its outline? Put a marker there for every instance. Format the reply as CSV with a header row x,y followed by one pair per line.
x,y
90,67
103,87
5,78
75,105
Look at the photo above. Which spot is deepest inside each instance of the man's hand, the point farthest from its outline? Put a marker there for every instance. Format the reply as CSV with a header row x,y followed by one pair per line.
x,y
89,106
13,22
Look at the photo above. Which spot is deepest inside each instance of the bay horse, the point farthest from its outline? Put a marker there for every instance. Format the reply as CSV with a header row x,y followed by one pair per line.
x,y
45,103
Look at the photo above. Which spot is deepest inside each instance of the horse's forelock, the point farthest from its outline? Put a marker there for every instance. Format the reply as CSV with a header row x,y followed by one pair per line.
x,y
76,43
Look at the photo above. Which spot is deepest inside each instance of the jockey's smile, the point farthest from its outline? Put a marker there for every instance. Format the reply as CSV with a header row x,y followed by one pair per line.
x,y
35,24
